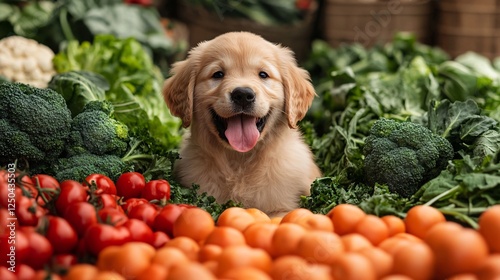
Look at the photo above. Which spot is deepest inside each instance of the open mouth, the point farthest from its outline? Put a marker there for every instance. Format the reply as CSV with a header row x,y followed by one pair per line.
x,y
241,131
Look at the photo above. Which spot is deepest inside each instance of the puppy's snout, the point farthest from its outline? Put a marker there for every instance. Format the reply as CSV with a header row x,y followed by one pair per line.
x,y
243,96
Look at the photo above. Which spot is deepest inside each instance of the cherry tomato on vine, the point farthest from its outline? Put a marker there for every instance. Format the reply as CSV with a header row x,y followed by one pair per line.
x,y
101,183
130,184
145,212
99,236
49,187
61,235
28,212
9,197
81,215
39,250
5,274
71,192
156,190
5,219
107,201
131,203
24,271
159,239
21,247
10,187
139,231
165,219
112,216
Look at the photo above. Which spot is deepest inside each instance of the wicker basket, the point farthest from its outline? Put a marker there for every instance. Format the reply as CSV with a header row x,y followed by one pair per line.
x,y
466,25
370,21
204,25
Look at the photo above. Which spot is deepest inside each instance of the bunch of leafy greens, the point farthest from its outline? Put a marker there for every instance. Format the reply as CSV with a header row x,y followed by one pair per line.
x,y
54,23
404,81
24,20
121,72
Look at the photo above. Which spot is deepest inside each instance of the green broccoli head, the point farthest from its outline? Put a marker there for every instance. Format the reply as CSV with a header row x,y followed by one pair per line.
x,y
404,155
34,123
95,131
78,167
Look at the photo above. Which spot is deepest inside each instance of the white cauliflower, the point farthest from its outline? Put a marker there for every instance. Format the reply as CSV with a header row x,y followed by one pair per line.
x,y
26,61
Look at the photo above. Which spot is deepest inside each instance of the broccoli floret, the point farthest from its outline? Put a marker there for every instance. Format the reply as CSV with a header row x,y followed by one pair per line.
x,y
404,155
95,131
78,167
34,124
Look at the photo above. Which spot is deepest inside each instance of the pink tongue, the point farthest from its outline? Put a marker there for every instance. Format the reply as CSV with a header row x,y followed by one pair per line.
x,y
242,132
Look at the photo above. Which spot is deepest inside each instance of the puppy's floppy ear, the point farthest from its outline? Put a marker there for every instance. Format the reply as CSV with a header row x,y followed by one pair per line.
x,y
178,90
299,92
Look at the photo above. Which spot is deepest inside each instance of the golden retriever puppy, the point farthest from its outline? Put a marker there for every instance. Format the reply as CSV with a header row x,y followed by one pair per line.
x,y
242,97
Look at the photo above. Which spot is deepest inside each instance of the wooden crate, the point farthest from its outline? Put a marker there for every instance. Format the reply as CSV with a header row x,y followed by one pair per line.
x,y
469,26
369,22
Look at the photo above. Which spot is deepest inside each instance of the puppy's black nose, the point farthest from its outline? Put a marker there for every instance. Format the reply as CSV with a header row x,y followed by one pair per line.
x,y
243,96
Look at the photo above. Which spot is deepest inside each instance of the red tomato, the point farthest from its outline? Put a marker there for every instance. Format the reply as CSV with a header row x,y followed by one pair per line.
x,y
13,246
5,219
130,184
112,216
139,231
39,250
49,187
156,190
24,271
159,239
28,212
99,236
9,197
166,217
71,191
80,215
10,187
5,274
144,212
100,184
107,201
61,235
131,203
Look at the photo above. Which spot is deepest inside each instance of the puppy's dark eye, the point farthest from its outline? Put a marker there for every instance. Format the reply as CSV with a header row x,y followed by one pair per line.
x,y
218,75
263,75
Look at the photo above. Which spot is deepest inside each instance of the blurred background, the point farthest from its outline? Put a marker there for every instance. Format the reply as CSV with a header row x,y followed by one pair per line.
x,y
456,26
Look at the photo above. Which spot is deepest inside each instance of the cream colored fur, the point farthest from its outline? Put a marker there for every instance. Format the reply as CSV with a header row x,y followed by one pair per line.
x,y
280,168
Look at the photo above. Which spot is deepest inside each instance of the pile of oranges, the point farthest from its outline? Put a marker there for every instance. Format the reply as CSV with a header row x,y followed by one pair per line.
x,y
342,245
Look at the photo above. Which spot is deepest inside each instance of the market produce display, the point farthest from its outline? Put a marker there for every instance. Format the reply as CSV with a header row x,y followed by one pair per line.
x,y
424,90
407,138
129,229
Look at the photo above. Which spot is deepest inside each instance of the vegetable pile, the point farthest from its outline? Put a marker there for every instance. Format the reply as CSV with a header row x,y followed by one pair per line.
x,y
135,229
408,141
401,125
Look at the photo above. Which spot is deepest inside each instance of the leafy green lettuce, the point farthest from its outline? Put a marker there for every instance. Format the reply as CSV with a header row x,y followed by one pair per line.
x,y
135,84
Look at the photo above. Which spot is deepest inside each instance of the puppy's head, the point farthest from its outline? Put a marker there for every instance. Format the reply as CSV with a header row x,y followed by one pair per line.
x,y
240,88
